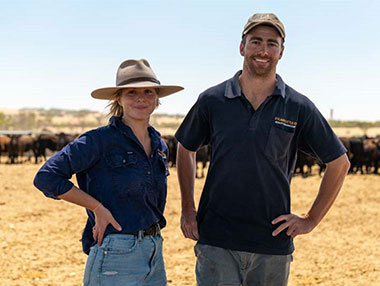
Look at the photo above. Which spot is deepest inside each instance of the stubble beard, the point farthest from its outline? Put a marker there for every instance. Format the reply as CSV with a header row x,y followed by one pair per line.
x,y
259,72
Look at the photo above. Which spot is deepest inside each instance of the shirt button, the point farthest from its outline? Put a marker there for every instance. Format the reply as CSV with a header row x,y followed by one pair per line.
x,y
149,172
124,161
105,252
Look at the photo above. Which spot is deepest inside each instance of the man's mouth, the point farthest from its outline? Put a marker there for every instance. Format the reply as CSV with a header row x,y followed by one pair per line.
x,y
261,60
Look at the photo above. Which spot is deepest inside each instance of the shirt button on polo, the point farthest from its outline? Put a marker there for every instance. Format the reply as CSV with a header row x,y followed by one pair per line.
x,y
148,172
124,161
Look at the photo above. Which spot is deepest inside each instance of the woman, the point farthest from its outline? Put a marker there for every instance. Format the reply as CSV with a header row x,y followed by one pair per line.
x,y
121,171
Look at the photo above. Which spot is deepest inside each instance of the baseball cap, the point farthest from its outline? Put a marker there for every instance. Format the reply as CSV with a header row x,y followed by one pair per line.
x,y
264,19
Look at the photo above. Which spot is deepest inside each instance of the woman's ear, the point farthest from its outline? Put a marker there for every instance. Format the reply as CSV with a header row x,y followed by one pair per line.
x,y
118,96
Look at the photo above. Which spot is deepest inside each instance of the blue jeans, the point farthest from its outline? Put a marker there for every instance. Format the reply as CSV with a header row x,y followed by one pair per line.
x,y
218,266
125,259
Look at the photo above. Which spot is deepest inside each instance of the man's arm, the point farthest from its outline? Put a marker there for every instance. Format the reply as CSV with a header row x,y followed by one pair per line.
x,y
186,167
331,184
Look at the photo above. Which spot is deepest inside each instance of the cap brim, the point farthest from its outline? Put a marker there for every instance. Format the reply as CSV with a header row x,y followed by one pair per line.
x,y
109,93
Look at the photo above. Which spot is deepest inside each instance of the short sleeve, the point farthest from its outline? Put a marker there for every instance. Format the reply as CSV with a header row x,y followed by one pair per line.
x,y
194,131
319,140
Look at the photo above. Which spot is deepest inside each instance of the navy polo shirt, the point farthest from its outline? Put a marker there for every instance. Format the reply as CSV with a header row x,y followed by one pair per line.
x,y
253,156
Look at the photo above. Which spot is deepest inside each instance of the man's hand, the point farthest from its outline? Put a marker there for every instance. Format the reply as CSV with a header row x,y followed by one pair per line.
x,y
103,218
296,225
189,224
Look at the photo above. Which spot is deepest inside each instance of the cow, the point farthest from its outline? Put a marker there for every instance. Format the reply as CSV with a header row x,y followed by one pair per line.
x,y
171,142
371,154
46,141
19,145
13,148
4,144
357,149
304,160
64,139
202,156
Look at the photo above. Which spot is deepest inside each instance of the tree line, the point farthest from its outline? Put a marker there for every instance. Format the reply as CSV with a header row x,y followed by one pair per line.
x,y
32,119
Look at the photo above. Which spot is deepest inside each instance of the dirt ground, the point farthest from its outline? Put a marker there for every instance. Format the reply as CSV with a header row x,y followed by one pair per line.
x,y
39,237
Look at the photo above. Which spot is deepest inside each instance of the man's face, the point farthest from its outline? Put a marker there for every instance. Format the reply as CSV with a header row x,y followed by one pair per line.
x,y
262,50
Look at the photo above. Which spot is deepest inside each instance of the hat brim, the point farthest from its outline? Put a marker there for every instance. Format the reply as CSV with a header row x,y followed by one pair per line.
x,y
109,93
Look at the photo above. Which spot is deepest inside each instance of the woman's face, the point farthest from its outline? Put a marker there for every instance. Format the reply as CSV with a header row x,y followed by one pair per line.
x,y
138,103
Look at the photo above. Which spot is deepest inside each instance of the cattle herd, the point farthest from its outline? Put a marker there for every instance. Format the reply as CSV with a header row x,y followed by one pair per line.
x,y
21,146
363,152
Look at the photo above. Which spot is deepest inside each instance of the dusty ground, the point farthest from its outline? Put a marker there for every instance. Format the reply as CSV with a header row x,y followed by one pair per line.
x,y
39,237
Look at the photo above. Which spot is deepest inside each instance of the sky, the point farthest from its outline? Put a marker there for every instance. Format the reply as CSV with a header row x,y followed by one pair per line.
x,y
54,53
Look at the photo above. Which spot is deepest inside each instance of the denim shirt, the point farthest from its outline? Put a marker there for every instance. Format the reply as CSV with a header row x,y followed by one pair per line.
x,y
112,166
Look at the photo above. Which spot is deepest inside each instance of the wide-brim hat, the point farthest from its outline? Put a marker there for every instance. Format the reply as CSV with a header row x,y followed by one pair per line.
x,y
135,74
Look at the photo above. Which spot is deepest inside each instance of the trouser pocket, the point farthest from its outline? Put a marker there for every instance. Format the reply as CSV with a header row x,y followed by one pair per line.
x,y
89,265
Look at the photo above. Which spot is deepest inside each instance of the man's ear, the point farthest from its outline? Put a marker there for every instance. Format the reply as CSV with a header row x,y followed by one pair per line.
x,y
282,51
242,46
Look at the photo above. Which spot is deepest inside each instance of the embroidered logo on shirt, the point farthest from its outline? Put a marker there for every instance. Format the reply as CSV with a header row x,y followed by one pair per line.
x,y
285,122
161,153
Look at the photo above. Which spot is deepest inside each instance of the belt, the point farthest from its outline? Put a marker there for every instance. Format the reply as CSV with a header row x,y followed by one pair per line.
x,y
150,231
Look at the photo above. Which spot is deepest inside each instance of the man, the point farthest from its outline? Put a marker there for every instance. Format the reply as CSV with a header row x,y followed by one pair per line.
x,y
255,124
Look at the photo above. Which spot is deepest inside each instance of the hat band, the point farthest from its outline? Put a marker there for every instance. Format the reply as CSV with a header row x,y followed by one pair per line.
x,y
139,79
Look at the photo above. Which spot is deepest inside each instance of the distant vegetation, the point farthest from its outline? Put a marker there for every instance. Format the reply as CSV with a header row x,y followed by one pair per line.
x,y
355,123
37,119
32,119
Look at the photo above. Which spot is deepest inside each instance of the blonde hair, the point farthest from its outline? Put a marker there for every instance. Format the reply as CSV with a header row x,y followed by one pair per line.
x,y
116,109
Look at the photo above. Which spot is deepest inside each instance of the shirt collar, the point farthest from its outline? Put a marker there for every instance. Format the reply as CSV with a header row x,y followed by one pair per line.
x,y
153,133
233,89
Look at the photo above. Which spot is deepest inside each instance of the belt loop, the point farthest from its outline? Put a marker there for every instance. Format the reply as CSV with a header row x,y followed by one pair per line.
x,y
139,235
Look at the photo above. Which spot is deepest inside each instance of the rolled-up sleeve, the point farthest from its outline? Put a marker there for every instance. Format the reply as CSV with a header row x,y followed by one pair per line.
x,y
53,179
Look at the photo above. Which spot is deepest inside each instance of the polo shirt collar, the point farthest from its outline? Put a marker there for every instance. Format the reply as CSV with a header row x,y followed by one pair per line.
x,y
233,89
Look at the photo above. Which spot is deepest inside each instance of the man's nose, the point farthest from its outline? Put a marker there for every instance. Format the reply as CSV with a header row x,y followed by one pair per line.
x,y
263,50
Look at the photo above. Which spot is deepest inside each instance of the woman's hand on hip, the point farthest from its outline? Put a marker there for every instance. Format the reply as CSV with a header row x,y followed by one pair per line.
x,y
103,218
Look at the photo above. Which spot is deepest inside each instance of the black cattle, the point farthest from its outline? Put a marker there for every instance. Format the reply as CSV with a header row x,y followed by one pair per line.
x,y
64,139
4,144
304,160
172,143
357,149
371,154
13,149
46,141
19,145
202,156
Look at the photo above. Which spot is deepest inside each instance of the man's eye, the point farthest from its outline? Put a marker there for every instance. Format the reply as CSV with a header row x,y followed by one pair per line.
x,y
131,93
148,92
